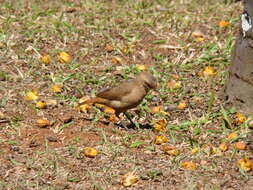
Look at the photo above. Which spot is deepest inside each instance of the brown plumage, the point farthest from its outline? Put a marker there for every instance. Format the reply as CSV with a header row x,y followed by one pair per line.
x,y
126,95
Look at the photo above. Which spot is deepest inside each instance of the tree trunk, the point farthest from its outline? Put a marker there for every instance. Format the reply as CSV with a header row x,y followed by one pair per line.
x,y
239,87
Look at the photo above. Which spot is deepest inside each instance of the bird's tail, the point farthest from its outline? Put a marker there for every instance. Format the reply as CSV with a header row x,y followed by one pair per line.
x,y
95,101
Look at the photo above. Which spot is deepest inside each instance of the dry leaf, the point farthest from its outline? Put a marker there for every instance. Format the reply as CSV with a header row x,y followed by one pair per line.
x,y
41,105
32,95
197,34
189,165
223,24
64,57
199,39
172,84
43,123
46,59
56,88
129,179
116,60
82,100
51,102
223,147
90,152
240,145
245,164
240,118
109,48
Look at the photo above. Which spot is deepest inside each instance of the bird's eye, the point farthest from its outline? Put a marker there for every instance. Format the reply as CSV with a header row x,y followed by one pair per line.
x,y
245,22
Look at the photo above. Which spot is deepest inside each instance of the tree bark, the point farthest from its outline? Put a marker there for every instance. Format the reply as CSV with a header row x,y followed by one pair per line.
x,y
239,87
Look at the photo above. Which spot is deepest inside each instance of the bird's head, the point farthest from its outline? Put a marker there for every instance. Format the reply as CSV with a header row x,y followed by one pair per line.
x,y
148,79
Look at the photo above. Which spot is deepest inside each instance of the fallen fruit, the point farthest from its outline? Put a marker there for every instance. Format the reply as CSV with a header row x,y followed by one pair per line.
x,y
232,136
32,95
223,147
189,165
240,118
170,150
160,125
160,140
240,145
56,88
43,123
209,71
64,57
245,164
223,24
90,152
41,105
46,59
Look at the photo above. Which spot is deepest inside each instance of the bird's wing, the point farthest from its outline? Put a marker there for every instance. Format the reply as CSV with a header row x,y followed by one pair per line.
x,y
116,93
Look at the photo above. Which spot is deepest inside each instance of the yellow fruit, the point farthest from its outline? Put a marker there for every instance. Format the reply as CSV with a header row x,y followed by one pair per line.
x,y
160,140
32,95
46,59
41,105
56,88
109,110
129,179
160,125
223,147
64,57
232,136
84,108
240,118
90,152
170,150
43,123
245,164
155,109
141,67
209,71
182,105
223,24
189,165
240,145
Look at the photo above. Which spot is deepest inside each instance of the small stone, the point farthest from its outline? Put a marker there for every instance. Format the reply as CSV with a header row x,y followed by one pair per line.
x,y
171,107
144,177
15,148
66,118
52,139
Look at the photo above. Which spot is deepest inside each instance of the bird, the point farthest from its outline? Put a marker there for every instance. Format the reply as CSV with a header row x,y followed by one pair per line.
x,y
126,95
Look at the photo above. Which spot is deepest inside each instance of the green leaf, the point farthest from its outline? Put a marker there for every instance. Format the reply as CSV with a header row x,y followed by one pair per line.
x,y
136,144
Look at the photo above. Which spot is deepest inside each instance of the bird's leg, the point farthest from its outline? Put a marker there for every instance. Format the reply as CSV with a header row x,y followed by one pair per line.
x,y
129,118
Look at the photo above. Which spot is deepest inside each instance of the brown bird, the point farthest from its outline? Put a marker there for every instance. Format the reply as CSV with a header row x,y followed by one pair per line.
x,y
126,95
